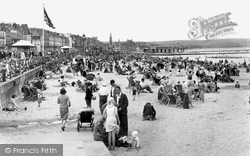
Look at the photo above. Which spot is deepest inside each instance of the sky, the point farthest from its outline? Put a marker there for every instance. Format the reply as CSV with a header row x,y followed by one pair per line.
x,y
139,20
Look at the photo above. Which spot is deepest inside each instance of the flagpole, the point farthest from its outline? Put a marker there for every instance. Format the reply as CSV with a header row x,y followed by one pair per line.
x,y
43,32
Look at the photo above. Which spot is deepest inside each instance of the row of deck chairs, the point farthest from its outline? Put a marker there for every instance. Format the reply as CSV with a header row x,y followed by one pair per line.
x,y
178,99
30,93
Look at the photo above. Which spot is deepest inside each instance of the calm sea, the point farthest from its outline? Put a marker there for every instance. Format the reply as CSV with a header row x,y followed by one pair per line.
x,y
238,57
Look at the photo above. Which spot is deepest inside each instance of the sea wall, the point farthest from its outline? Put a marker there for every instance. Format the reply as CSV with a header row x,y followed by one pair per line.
x,y
13,86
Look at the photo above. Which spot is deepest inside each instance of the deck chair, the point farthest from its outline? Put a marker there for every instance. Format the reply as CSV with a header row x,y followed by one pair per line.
x,y
156,80
169,89
34,93
172,99
179,88
164,99
132,72
27,93
185,100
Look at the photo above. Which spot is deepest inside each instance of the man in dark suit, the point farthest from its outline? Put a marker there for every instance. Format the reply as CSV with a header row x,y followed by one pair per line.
x,y
122,101
89,94
113,85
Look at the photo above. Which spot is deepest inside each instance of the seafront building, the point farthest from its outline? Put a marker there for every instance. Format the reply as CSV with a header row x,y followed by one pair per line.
x,y
10,33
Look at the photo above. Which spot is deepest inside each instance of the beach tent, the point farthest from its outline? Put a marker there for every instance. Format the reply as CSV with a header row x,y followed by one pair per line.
x,y
23,43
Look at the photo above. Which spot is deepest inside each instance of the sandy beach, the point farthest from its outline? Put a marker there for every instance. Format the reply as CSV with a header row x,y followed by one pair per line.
x,y
219,126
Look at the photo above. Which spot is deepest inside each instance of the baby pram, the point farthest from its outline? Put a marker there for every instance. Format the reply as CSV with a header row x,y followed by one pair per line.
x,y
85,116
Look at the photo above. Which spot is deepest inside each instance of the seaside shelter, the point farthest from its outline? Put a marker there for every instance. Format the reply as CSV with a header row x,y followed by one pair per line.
x,y
23,45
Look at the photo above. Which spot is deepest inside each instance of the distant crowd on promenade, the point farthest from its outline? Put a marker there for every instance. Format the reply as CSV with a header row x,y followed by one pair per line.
x,y
15,63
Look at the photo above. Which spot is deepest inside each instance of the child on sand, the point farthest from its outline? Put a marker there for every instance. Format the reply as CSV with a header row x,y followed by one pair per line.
x,y
135,139
40,97
133,92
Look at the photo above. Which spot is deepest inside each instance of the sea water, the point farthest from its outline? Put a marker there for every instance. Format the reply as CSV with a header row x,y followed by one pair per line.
x,y
239,58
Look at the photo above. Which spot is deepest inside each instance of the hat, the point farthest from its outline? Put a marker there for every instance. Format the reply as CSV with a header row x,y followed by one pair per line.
x,y
89,83
135,133
112,81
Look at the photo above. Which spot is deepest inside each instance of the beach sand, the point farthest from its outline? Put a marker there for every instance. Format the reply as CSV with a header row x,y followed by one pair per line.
x,y
219,126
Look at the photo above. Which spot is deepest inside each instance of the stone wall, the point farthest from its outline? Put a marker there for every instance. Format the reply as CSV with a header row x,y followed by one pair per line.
x,y
13,86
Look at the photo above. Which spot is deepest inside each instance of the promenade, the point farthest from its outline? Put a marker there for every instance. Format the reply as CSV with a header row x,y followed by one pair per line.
x,y
43,125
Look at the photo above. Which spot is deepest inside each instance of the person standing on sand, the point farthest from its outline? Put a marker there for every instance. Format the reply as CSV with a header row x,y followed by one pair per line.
x,y
89,94
103,96
113,85
112,122
65,103
40,97
122,101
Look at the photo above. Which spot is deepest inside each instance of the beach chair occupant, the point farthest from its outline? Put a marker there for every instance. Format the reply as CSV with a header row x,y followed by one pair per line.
x,y
178,87
156,80
149,112
144,86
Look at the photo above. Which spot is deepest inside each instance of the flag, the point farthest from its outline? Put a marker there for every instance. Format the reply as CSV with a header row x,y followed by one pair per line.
x,y
47,19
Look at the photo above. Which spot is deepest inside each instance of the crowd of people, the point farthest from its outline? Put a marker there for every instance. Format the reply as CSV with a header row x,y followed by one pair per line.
x,y
201,77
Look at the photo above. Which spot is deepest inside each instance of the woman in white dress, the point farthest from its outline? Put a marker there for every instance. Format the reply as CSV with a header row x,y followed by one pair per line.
x,y
112,122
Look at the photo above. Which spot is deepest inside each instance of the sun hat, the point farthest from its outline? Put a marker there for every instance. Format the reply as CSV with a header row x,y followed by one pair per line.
x,y
135,133
112,81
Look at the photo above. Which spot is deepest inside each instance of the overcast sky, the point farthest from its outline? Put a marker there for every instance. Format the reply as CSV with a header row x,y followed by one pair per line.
x,y
140,20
